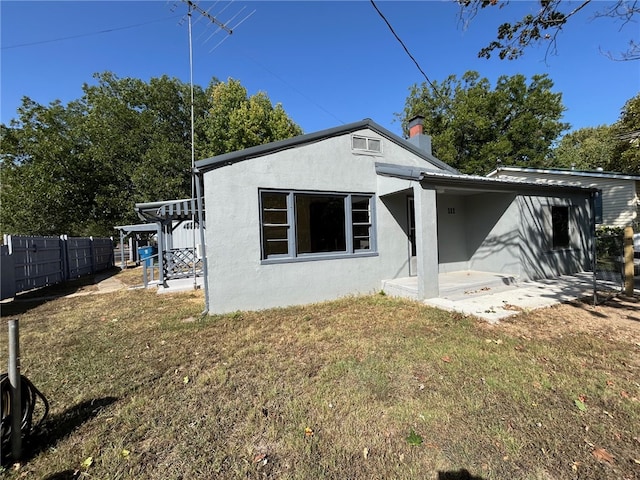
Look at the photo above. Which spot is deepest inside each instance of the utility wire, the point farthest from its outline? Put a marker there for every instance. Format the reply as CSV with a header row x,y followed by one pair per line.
x,y
406,50
401,43
292,87
89,34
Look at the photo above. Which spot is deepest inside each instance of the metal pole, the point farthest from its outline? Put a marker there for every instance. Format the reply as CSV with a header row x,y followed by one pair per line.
x,y
594,258
145,281
193,156
122,261
14,382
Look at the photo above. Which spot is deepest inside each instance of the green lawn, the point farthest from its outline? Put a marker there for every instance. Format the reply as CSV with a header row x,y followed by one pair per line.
x,y
372,387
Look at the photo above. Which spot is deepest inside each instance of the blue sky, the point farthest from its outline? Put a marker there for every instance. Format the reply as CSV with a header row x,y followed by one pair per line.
x,y
327,63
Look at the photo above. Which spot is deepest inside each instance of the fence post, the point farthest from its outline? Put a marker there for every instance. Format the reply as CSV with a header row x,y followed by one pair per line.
x,y
145,282
64,254
14,382
628,261
92,252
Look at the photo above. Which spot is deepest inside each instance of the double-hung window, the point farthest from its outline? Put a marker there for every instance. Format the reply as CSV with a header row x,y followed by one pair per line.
x,y
306,225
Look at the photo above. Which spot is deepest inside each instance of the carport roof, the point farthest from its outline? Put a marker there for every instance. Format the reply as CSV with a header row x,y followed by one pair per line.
x,y
473,182
567,172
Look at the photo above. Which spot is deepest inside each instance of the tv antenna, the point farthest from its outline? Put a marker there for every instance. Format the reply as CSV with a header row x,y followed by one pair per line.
x,y
228,31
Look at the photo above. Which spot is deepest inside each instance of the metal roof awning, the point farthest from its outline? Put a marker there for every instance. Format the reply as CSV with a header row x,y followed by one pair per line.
x,y
470,183
184,209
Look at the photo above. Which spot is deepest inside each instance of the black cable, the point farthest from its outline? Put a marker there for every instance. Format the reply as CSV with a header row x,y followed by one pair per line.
x,y
402,43
444,99
29,396
108,30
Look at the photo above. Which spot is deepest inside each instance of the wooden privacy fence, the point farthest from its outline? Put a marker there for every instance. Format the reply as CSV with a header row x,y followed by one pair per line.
x,y
33,262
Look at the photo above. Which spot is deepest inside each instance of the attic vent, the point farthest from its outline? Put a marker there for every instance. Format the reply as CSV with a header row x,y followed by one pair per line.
x,y
366,144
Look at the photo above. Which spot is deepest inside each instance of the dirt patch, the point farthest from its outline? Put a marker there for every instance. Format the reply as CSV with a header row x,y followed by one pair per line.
x,y
616,318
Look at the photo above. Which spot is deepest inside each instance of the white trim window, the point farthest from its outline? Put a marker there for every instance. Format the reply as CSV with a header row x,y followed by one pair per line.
x,y
366,144
298,225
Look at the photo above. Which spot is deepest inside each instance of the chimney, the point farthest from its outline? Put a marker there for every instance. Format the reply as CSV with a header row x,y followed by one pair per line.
x,y
415,126
416,135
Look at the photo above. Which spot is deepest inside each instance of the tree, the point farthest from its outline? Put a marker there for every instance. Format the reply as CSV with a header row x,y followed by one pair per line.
x,y
586,149
79,169
237,121
545,24
139,135
614,148
473,127
44,184
626,155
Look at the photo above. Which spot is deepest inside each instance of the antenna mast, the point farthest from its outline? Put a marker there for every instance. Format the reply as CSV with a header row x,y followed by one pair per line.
x,y
193,6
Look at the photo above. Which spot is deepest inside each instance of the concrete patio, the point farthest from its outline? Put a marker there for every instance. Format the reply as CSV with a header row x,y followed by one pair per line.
x,y
494,296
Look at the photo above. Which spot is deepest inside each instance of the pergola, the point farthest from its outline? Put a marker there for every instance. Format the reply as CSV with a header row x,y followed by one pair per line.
x,y
166,217
128,230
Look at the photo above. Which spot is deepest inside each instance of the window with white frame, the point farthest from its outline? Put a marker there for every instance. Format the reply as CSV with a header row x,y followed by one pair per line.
x,y
305,225
368,144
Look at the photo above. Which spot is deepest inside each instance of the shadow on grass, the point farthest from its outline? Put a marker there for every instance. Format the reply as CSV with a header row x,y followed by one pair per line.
x,y
617,301
25,301
458,475
66,475
58,427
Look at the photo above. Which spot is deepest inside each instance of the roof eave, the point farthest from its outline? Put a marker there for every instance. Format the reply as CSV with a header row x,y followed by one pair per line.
x,y
230,158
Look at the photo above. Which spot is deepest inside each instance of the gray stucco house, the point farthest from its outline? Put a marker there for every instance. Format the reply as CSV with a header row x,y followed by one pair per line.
x,y
341,211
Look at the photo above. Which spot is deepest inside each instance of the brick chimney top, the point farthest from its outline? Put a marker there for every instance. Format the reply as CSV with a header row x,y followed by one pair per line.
x,y
415,126
417,136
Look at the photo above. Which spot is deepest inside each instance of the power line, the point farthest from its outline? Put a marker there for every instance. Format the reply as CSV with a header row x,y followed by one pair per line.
x,y
403,46
42,42
292,87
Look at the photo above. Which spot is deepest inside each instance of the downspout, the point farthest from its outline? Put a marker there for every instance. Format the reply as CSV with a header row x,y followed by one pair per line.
x,y
203,247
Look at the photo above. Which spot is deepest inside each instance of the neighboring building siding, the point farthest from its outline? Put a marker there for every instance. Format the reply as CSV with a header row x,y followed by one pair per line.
x,y
237,277
619,196
184,235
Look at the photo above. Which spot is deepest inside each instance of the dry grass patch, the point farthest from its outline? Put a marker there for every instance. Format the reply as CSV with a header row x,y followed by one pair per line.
x,y
332,390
